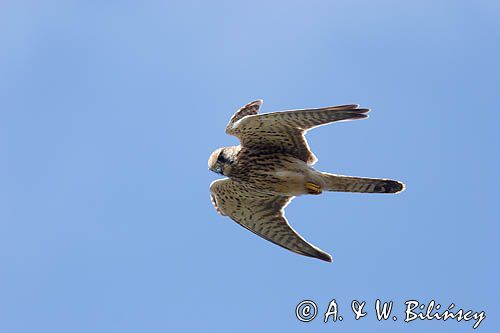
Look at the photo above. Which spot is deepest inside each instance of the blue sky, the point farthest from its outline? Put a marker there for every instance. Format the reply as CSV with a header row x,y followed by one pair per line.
x,y
109,111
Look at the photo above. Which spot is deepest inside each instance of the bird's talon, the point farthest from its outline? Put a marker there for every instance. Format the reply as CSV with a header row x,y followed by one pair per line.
x,y
313,188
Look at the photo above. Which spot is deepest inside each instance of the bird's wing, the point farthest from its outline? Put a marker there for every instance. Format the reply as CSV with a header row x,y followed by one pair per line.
x,y
262,214
250,109
284,131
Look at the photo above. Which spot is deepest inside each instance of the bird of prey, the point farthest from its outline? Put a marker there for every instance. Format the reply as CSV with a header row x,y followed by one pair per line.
x,y
273,164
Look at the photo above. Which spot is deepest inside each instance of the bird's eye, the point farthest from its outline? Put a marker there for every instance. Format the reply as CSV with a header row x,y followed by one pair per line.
x,y
221,158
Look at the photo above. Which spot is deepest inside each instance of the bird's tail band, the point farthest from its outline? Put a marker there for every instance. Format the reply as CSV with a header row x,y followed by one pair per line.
x,y
339,183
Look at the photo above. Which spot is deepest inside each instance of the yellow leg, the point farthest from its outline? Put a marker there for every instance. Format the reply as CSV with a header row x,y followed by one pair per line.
x,y
313,188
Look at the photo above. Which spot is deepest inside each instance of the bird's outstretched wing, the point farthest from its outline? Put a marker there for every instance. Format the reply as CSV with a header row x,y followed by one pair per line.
x,y
262,214
250,109
284,131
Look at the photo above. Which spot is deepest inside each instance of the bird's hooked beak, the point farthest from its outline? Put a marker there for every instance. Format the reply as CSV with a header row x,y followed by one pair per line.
x,y
218,169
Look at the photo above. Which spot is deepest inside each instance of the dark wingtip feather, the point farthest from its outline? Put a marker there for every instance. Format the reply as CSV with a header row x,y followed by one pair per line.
x,y
352,116
363,110
324,256
257,102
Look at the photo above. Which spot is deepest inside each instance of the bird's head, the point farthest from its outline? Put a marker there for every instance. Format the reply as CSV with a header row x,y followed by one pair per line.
x,y
222,159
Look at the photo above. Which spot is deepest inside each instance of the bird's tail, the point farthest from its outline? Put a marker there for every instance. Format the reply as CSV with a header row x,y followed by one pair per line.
x,y
339,183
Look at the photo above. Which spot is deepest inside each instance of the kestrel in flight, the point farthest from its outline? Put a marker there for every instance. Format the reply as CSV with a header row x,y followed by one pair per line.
x,y
273,164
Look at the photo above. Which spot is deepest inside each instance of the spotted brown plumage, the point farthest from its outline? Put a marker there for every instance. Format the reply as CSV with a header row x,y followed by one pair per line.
x,y
262,214
273,164
284,131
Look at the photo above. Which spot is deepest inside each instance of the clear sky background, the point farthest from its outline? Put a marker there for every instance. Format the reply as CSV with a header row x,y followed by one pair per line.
x,y
108,114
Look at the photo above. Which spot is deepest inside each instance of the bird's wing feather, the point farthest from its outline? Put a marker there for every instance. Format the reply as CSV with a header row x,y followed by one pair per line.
x,y
284,131
250,109
263,214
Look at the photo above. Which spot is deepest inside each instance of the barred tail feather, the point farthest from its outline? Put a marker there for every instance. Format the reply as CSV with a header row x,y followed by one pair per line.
x,y
339,183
